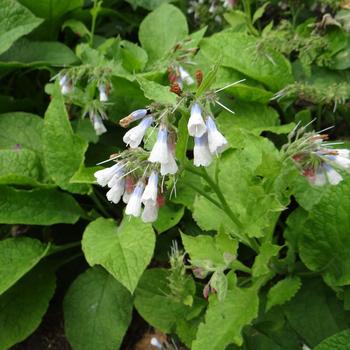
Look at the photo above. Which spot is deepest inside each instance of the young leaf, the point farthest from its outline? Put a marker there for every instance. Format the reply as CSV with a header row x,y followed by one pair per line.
x,y
63,150
23,306
124,251
261,263
157,92
17,257
283,291
225,320
161,30
15,21
37,207
97,311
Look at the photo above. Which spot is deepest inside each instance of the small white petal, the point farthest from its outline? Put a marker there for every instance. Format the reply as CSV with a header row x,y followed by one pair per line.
x,y
63,80
305,347
105,175
159,153
170,167
115,178
103,93
332,175
342,161
343,152
138,114
135,135
150,212
151,190
126,197
66,89
115,193
217,142
98,124
134,204
196,126
185,76
320,178
201,152
156,343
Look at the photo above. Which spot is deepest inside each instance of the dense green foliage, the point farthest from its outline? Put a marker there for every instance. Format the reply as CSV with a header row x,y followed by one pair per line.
x,y
245,253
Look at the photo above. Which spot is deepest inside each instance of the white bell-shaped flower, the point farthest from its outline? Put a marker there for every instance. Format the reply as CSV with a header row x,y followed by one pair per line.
x,y
196,126
169,168
151,190
185,76
343,152
115,193
334,178
105,175
134,204
217,142
341,161
126,196
103,93
150,212
320,177
201,152
98,124
160,152
138,114
135,135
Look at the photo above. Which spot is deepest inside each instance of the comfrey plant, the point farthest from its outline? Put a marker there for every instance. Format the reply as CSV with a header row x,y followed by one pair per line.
x,y
316,158
136,174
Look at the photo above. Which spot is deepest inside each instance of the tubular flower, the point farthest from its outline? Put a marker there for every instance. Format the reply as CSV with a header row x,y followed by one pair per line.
x,y
185,76
160,152
97,123
196,126
134,204
217,142
105,175
103,95
135,135
201,152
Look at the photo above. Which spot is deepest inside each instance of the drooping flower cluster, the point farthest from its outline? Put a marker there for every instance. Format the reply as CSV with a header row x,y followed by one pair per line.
x,y
316,159
135,177
68,81
135,181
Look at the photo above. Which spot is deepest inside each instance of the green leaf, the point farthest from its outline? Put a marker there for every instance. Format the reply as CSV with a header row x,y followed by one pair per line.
x,y
161,30
183,137
19,129
124,251
26,53
77,27
63,150
325,243
315,312
157,92
51,9
97,311
207,249
261,263
242,52
207,82
15,21
339,341
260,11
283,291
134,57
20,167
148,4
225,320
23,306
37,207
85,175
169,216
153,301
17,257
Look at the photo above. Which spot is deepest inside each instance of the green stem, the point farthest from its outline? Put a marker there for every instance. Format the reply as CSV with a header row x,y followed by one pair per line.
x,y
98,204
94,13
61,248
204,194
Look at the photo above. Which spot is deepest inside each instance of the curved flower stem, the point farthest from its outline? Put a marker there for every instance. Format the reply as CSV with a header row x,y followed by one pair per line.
x,y
224,206
204,194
